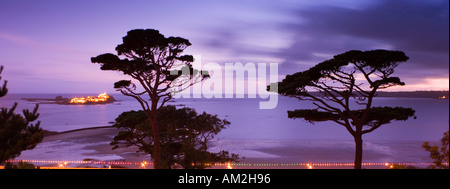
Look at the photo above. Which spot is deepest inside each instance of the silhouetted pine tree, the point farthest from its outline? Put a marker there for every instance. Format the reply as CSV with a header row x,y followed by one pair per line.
x,y
159,65
343,88
16,131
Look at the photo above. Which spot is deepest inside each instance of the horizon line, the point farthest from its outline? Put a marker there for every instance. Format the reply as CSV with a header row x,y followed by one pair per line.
x,y
202,93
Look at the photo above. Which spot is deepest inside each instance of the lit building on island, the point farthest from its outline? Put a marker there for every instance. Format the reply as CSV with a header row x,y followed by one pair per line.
x,y
101,98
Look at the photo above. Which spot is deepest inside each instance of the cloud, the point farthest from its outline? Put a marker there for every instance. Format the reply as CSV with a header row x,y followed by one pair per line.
x,y
295,34
17,39
24,41
419,28
308,32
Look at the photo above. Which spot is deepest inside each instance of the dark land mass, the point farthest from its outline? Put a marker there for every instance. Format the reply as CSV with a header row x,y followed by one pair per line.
x,y
409,94
415,94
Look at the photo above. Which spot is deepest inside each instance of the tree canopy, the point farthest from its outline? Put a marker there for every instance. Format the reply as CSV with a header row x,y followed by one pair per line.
x,y
153,60
438,153
184,136
17,133
376,66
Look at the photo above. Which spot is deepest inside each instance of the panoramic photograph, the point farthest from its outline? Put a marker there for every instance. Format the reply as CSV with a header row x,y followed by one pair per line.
x,y
224,85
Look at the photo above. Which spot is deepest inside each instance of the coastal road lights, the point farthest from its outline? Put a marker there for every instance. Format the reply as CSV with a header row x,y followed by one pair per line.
x,y
144,164
62,164
389,166
229,166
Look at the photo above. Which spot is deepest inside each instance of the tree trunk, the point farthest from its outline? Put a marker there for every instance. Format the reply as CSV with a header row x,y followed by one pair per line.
x,y
358,150
156,142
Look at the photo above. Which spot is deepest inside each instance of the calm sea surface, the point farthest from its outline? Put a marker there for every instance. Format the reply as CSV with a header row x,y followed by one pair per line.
x,y
248,122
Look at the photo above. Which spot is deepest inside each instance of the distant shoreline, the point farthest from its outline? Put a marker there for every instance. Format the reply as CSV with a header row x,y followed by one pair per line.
x,y
398,94
50,133
407,94
83,129
414,94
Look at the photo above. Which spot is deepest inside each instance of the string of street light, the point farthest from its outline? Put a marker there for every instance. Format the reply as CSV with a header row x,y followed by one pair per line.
x,y
145,164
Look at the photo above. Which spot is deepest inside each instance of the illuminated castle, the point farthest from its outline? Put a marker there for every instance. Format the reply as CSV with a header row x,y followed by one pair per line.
x,y
101,98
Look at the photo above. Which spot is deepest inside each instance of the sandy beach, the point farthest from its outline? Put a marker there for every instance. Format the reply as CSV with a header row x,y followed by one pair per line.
x,y
92,145
82,144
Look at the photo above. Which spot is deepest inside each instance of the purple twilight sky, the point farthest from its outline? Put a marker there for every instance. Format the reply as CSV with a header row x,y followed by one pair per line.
x,y
46,45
